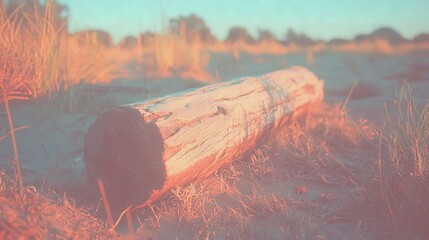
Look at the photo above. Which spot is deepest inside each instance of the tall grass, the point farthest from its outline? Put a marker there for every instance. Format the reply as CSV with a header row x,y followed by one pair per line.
x,y
33,35
406,165
14,76
85,59
16,58
50,60
165,52
396,186
39,58
179,54
43,34
409,136
37,214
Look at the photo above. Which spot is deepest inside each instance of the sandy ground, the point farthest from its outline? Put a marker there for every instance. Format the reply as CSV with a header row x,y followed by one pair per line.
x,y
51,147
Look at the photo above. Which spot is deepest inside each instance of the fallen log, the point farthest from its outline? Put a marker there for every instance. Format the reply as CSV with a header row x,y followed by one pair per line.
x,y
142,150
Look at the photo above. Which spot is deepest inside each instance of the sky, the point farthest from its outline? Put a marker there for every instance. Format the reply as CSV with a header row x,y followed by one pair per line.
x,y
319,19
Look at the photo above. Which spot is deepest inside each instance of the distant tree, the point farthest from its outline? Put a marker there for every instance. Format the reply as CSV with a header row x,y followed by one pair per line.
x,y
102,37
239,33
21,7
145,39
422,38
265,35
385,33
128,42
298,39
338,41
190,26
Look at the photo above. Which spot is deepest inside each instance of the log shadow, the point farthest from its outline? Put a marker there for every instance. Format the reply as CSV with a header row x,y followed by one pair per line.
x,y
126,154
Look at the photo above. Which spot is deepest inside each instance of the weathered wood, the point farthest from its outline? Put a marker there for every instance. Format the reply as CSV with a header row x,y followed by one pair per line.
x,y
142,150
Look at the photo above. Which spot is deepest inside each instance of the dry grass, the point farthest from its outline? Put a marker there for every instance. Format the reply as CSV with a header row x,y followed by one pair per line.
x,y
87,60
376,46
206,214
234,202
408,136
31,215
311,148
39,55
176,55
39,58
399,190
261,197
380,46
231,204
263,47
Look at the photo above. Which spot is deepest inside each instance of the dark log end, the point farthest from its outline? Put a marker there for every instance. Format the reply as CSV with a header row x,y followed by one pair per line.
x,y
126,154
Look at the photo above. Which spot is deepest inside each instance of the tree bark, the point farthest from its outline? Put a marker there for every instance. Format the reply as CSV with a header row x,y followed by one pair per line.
x,y
142,150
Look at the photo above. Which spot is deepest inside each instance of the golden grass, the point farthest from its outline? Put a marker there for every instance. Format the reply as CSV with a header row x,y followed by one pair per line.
x,y
87,60
214,208
176,55
401,191
39,58
325,147
376,46
263,47
219,208
408,136
38,54
14,75
31,215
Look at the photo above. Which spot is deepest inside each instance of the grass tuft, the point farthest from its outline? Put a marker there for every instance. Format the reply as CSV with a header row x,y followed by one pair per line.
x,y
29,214
403,176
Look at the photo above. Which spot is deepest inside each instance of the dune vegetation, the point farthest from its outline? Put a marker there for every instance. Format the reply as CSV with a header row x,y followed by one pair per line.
x,y
374,178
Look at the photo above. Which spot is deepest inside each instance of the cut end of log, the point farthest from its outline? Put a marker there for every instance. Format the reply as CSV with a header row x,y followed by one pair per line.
x,y
126,154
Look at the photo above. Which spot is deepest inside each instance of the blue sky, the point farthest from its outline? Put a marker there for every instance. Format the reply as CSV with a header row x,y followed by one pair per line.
x,y
322,19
